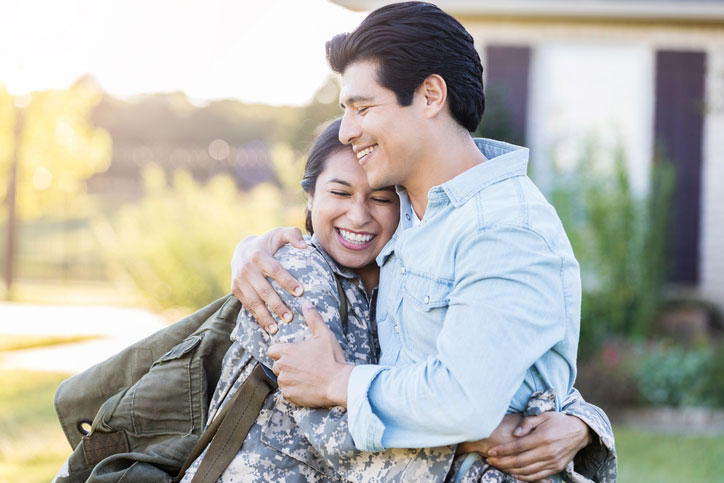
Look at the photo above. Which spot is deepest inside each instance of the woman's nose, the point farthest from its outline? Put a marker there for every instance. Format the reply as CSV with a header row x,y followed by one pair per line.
x,y
359,214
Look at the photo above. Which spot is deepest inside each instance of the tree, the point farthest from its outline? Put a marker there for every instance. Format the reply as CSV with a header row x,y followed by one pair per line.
x,y
52,149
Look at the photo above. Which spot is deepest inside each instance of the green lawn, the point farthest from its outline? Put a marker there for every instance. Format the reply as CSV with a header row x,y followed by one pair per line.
x,y
32,445
658,458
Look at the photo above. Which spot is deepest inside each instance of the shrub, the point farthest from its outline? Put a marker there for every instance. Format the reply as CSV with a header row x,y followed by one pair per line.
x,y
671,375
175,244
620,241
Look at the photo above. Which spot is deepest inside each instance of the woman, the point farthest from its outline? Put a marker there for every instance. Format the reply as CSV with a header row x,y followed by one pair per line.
x,y
350,224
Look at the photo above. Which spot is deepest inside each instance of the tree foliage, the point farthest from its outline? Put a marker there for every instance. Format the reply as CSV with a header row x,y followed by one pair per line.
x,y
175,244
58,149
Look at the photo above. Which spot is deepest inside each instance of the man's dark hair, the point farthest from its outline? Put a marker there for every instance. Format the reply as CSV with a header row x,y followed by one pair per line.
x,y
323,147
411,41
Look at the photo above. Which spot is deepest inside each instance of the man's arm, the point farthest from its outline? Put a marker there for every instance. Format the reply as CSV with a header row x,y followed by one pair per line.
x,y
577,440
506,310
513,281
252,262
293,429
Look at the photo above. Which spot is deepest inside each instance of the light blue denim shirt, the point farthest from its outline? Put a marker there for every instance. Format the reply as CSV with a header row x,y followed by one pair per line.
x,y
478,307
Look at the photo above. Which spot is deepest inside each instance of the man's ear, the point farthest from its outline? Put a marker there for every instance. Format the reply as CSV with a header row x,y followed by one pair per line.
x,y
433,91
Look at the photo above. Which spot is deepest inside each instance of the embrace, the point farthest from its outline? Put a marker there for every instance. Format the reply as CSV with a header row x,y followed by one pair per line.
x,y
451,260
427,330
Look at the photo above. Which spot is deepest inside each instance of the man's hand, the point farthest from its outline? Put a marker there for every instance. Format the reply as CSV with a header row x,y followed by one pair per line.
x,y
252,262
502,434
544,445
312,373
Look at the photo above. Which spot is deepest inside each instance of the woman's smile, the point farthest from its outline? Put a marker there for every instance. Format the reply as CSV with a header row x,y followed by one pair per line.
x,y
354,240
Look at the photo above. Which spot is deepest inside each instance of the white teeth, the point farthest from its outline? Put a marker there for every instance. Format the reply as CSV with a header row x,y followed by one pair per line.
x,y
357,238
366,151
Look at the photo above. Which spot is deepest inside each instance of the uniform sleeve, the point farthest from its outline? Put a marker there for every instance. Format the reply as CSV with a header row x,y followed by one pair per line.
x,y
311,270
597,461
317,436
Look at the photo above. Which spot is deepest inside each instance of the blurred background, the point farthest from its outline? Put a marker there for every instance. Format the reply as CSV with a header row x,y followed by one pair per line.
x,y
140,141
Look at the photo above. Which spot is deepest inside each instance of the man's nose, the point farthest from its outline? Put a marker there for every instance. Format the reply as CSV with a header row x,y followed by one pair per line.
x,y
349,130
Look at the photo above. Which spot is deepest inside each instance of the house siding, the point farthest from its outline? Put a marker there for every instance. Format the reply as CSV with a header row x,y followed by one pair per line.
x,y
711,262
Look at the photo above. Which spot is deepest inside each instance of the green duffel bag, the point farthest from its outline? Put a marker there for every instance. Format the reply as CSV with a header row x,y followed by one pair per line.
x,y
138,415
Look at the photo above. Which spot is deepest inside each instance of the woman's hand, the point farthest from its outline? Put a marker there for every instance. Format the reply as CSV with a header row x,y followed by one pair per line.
x,y
538,447
252,262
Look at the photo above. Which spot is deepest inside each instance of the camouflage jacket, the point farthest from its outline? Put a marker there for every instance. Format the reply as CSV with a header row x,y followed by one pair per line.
x,y
292,443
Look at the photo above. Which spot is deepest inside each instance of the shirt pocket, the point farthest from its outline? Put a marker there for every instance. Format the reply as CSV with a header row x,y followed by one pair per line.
x,y
424,306
168,398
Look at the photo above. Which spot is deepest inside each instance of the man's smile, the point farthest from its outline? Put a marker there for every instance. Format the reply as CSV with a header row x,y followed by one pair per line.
x,y
364,152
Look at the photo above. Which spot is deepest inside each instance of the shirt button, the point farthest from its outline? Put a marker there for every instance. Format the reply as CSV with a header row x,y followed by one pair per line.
x,y
403,270
407,215
427,299
397,329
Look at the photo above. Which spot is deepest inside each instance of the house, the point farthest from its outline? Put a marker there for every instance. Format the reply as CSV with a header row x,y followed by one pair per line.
x,y
639,74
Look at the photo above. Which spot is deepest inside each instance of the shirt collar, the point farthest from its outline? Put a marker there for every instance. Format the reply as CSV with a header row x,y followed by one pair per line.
x,y
336,268
504,161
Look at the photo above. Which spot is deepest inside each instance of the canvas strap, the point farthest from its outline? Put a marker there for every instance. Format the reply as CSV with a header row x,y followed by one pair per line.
x,y
227,431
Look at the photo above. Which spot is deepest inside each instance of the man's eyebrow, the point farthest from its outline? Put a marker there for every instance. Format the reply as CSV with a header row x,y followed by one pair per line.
x,y
355,100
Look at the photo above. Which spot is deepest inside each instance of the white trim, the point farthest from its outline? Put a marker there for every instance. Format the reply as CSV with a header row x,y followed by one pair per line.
x,y
677,11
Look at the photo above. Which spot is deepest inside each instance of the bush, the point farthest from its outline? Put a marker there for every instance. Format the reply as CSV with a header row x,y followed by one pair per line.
x,y
673,376
176,243
621,243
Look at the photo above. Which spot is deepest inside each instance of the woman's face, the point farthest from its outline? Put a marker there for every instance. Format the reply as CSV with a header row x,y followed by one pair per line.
x,y
352,221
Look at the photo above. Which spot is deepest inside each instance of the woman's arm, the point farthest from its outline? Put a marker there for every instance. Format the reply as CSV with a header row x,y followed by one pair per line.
x,y
577,440
320,437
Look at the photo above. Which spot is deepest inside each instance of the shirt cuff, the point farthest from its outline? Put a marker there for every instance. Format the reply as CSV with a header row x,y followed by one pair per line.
x,y
364,425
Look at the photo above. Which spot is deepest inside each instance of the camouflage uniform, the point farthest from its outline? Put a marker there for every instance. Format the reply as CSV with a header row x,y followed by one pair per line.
x,y
292,443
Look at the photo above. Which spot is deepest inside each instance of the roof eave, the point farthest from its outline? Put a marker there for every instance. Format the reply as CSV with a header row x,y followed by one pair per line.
x,y
661,11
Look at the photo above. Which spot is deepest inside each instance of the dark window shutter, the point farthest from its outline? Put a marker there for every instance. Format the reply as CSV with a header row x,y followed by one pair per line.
x,y
506,90
678,134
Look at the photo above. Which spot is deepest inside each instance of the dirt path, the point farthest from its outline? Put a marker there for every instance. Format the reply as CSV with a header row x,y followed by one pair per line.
x,y
116,327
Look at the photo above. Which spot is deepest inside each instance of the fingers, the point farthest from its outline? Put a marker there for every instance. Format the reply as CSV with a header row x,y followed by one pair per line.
x,y
314,320
252,301
274,270
276,351
515,447
290,235
527,425
532,463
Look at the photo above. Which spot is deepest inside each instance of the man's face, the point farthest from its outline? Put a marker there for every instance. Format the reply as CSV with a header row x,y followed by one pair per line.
x,y
383,134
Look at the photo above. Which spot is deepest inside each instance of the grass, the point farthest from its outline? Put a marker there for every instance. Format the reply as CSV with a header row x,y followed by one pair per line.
x,y
33,447
13,342
658,457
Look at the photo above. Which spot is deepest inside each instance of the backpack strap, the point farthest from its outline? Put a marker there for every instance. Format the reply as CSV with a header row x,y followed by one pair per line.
x,y
342,302
229,429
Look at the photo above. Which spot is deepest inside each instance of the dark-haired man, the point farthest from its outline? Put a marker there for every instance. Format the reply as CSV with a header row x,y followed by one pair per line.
x,y
479,299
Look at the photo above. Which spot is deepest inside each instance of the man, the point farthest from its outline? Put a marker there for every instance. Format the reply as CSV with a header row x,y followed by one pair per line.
x,y
469,333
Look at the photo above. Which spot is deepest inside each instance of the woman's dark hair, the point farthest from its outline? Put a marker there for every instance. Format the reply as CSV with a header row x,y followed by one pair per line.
x,y
411,41
323,147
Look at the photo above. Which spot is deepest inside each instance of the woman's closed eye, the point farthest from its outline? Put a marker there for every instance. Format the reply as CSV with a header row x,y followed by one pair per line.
x,y
339,193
